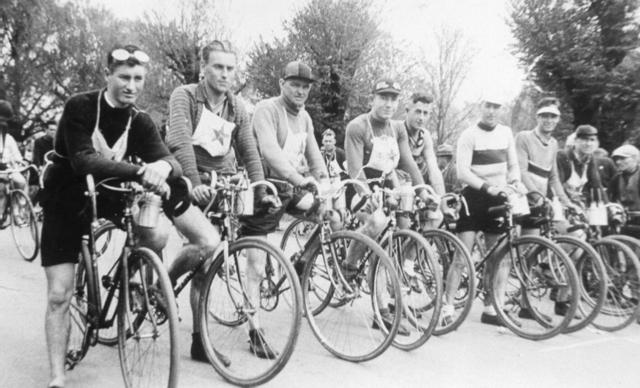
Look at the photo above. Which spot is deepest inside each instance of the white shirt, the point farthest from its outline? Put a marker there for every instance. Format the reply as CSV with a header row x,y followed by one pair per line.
x,y
10,151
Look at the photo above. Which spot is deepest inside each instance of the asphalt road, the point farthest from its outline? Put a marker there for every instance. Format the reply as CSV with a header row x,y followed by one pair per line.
x,y
474,356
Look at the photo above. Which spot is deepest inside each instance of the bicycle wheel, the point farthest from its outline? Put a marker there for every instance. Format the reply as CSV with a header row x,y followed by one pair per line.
x,y
296,235
244,301
359,326
421,285
526,283
109,244
148,324
623,273
455,260
24,225
591,280
79,332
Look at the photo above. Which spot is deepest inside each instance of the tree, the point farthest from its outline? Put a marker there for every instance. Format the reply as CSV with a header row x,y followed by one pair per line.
x,y
576,49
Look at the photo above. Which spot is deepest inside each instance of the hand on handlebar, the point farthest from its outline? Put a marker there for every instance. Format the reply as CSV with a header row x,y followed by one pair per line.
x,y
308,181
494,191
202,194
154,175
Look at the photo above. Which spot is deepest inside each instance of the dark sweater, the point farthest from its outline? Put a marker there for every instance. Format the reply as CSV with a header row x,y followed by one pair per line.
x,y
41,146
73,138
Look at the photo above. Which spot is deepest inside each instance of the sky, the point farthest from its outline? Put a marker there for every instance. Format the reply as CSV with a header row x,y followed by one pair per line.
x,y
493,68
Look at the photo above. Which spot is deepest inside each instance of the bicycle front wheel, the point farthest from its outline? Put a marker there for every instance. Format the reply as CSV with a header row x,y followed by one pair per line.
x,y
524,290
79,331
24,225
147,324
591,280
621,305
250,312
359,323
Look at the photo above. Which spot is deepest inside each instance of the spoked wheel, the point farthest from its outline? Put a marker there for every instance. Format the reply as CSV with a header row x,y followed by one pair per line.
x,y
148,324
79,333
621,305
250,312
591,281
457,268
540,274
110,242
359,324
24,225
421,284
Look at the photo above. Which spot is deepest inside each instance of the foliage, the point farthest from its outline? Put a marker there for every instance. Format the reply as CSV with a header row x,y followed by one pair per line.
x,y
577,49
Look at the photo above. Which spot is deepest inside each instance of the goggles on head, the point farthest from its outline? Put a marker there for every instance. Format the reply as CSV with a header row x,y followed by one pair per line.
x,y
122,55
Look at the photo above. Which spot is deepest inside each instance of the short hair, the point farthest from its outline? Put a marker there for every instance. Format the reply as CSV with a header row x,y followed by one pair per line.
x,y
548,101
223,46
112,63
328,132
421,97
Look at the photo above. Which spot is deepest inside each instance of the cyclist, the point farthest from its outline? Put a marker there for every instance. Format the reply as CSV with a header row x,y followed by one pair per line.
x,y
290,155
334,157
10,157
97,131
209,130
537,150
486,162
420,140
375,146
625,185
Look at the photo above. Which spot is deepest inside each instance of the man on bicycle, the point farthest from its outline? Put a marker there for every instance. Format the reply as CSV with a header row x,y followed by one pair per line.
x,y
625,186
97,131
290,155
486,163
209,130
537,150
10,157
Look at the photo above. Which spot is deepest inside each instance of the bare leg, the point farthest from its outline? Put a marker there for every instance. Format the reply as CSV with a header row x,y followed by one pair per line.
x,y
57,321
499,257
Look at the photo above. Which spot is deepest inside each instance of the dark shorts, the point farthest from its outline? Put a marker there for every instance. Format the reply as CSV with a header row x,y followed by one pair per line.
x,y
67,216
478,218
262,222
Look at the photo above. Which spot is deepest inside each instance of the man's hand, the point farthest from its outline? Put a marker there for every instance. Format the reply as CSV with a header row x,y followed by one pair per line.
x,y
308,181
153,175
202,194
494,191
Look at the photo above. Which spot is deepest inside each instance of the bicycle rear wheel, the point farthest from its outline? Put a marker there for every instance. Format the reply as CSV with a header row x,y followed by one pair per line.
x,y
591,280
24,225
148,324
421,286
455,260
357,325
540,272
621,305
250,312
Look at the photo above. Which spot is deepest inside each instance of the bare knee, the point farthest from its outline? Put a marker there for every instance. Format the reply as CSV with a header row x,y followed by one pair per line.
x,y
59,297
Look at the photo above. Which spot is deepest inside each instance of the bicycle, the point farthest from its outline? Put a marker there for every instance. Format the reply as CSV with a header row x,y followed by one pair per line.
x,y
19,214
147,318
534,268
226,306
341,304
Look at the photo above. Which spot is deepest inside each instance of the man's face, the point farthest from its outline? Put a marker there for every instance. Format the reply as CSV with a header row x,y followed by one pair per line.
x,y
125,83
417,115
384,105
51,130
586,145
489,113
626,164
547,122
329,142
295,90
219,72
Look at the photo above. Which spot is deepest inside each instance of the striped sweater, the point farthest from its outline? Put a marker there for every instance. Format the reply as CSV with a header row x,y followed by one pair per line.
x,y
487,156
185,109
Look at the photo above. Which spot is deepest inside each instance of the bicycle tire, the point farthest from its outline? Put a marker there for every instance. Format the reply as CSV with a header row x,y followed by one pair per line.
x,y
591,281
447,246
225,291
147,312
375,269
621,304
24,225
421,304
558,273
79,332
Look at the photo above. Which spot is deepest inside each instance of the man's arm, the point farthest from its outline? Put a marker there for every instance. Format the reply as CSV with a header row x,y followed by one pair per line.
x,y
149,147
522,153
464,155
354,150
312,153
265,129
14,155
406,162
513,169
179,132
435,175
554,182
245,145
